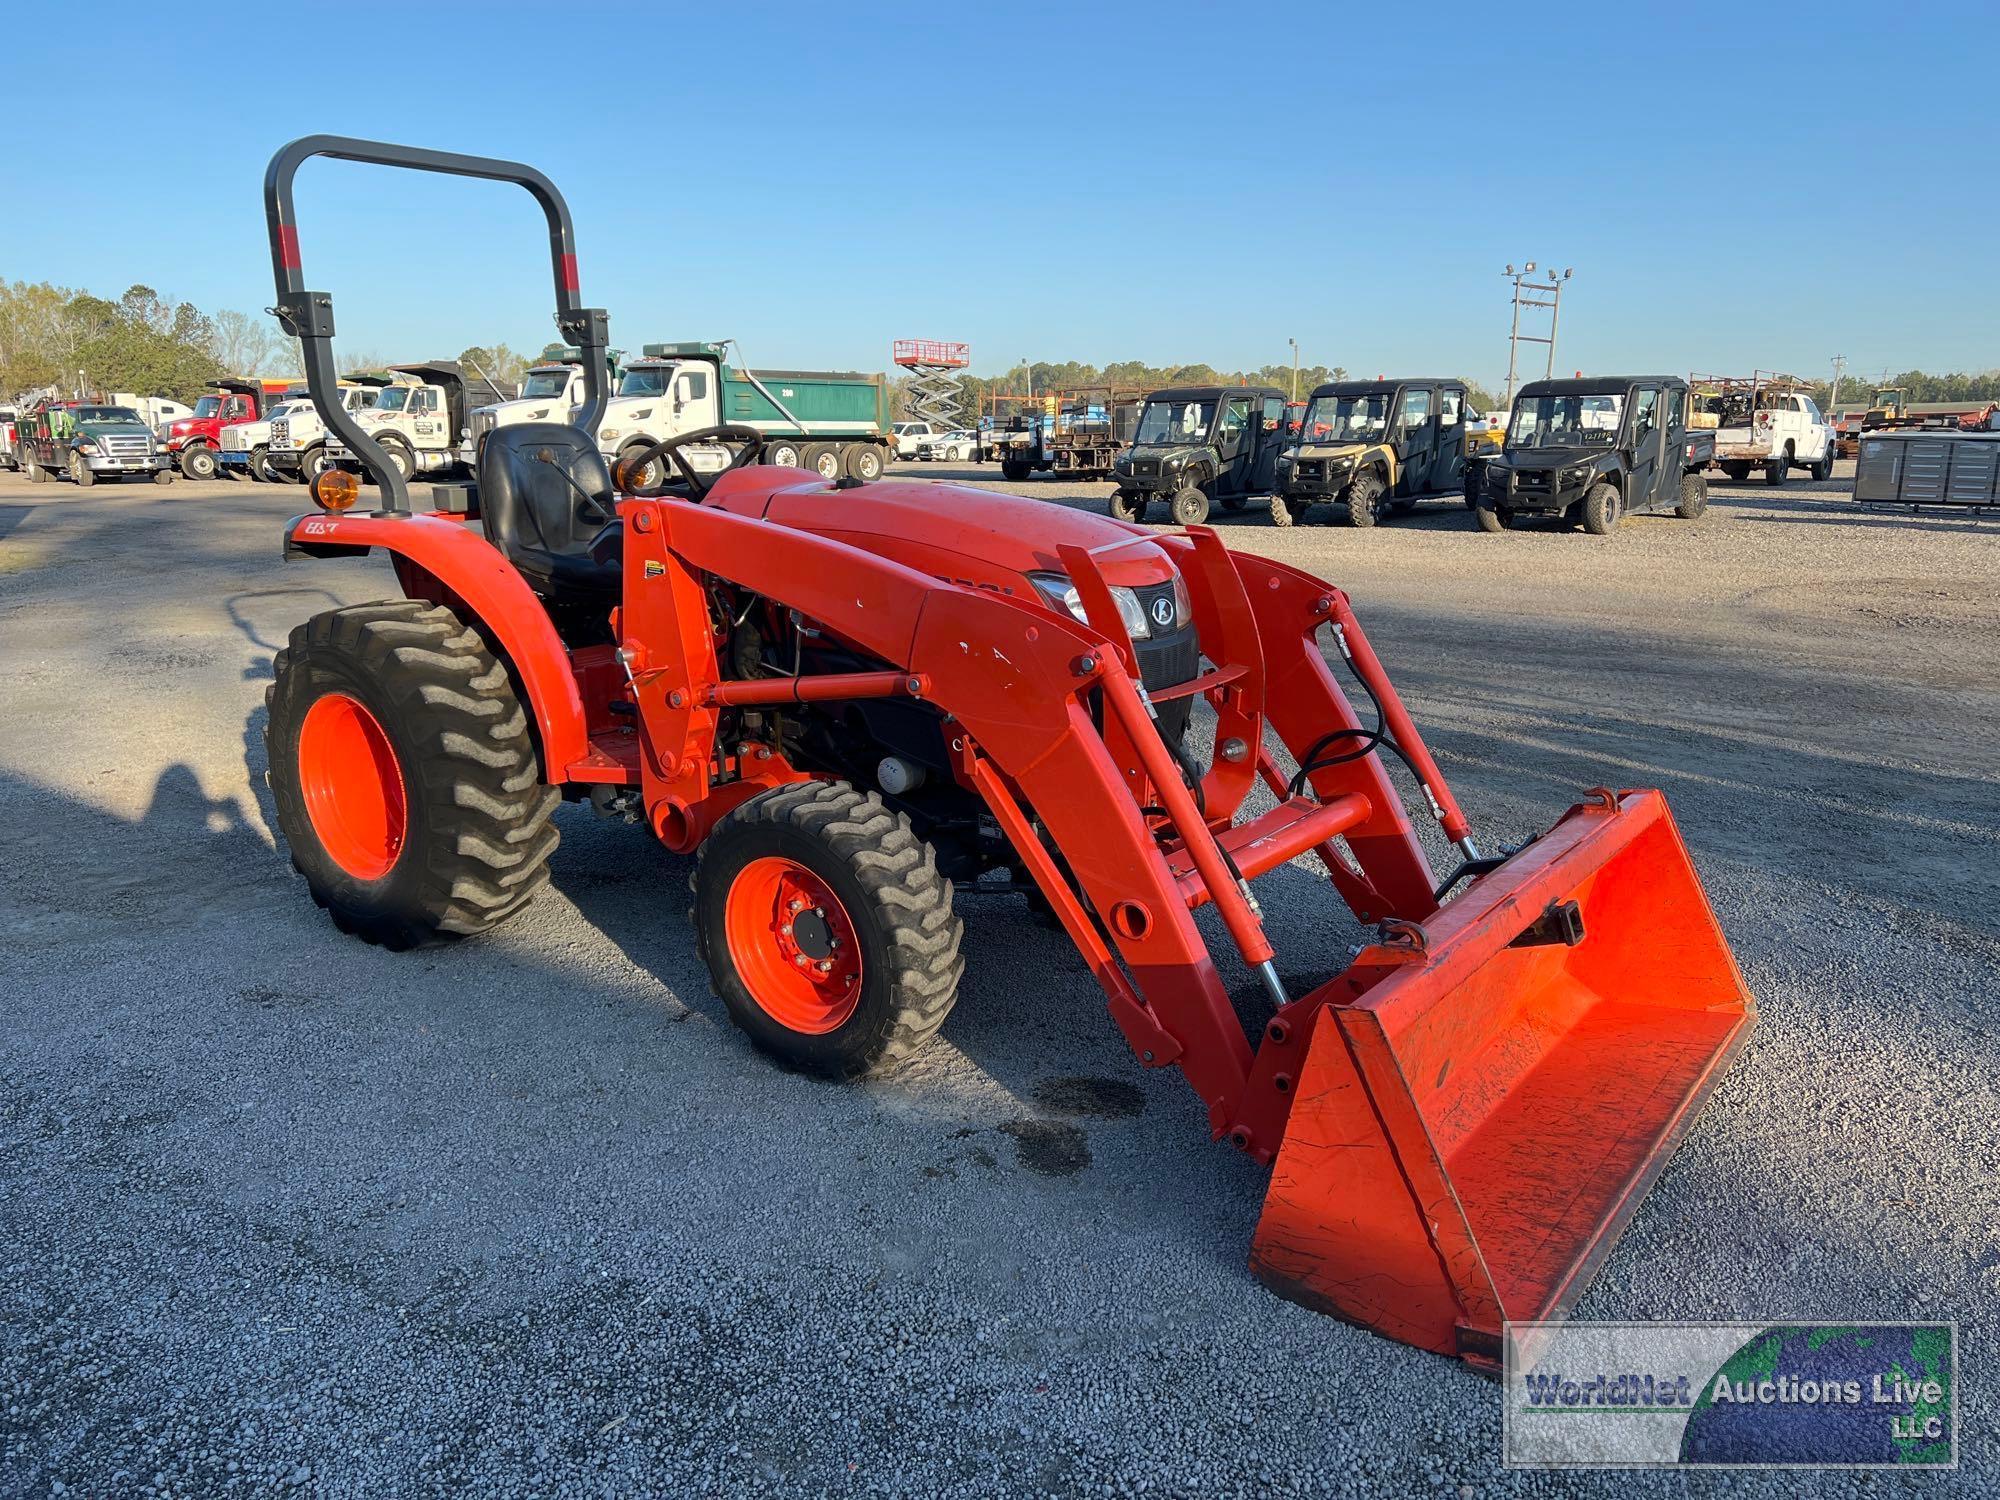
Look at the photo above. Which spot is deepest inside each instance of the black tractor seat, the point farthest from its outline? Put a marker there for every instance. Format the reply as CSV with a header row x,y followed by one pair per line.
x,y
545,500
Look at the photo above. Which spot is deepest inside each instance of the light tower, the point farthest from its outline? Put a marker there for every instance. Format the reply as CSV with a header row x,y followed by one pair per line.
x,y
932,393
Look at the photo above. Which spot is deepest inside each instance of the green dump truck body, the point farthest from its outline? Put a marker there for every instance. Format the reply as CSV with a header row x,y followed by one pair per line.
x,y
827,403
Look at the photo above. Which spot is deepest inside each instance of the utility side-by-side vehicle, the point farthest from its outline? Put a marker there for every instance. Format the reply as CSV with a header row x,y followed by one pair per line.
x,y
856,705
1374,448
1199,444
1594,450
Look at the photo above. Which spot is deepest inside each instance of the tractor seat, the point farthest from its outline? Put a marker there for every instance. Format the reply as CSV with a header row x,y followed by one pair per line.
x,y
545,501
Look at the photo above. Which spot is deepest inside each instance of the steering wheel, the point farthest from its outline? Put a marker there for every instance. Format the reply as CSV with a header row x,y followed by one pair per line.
x,y
752,440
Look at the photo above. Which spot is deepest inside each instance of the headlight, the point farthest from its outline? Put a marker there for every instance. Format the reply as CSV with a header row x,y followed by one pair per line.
x,y
86,446
607,432
1576,475
1059,591
1122,465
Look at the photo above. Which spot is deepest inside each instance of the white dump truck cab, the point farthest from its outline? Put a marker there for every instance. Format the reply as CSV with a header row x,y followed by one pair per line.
x,y
243,449
297,447
661,397
422,418
550,392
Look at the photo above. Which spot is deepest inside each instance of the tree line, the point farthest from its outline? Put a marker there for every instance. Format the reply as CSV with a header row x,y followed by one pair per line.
x,y
143,342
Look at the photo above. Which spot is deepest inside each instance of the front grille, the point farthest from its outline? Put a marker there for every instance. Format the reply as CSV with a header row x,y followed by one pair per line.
x,y
125,446
281,433
1312,468
1146,468
1168,661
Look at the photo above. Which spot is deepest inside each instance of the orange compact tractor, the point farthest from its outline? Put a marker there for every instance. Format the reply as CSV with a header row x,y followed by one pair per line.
x,y
843,697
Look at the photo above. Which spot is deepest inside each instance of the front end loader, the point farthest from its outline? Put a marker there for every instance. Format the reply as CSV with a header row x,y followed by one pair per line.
x,y
857,704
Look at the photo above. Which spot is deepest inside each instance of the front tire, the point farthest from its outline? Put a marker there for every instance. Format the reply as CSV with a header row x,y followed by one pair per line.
x,y
1189,506
406,782
260,466
1600,509
1287,512
1694,497
827,930
631,476
400,455
80,472
1126,506
1493,518
313,463
1363,498
198,463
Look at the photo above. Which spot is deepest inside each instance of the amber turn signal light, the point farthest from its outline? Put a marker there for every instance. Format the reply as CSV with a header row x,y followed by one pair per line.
x,y
335,489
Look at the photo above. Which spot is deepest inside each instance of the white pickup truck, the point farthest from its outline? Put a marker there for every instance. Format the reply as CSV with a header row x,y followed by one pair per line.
x,y
1775,430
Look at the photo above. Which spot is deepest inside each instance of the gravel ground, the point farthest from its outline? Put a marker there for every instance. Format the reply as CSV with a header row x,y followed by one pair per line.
x,y
527,1216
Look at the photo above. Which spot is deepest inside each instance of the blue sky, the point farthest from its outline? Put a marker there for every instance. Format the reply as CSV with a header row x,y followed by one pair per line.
x,y
1735,186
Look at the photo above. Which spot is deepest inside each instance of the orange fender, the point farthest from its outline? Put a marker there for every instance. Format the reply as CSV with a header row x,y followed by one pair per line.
x,y
470,572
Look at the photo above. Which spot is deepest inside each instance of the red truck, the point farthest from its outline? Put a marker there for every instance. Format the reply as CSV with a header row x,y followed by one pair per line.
x,y
192,442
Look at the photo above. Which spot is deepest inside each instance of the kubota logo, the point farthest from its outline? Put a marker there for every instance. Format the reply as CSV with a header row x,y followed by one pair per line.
x,y
1163,611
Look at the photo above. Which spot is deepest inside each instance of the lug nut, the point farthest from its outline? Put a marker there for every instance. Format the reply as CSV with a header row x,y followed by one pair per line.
x,y
825,966
786,930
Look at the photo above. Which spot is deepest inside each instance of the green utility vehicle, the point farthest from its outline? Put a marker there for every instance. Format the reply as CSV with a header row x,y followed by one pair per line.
x,y
1199,444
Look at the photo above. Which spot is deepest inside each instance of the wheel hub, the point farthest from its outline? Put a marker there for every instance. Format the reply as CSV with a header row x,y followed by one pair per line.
x,y
793,945
352,786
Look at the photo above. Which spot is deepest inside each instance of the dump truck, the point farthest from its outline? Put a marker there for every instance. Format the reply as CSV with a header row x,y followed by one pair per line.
x,y
194,441
422,418
849,701
548,390
87,441
830,421
297,446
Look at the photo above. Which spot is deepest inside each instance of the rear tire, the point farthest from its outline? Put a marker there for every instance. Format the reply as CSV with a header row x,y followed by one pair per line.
x,y
1363,498
824,460
198,463
1694,497
1737,472
785,453
864,462
1014,470
1286,512
863,881
1126,506
1774,472
1600,509
1189,506
80,472
35,472
470,844
1823,470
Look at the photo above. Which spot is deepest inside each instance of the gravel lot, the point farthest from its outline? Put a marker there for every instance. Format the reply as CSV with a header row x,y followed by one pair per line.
x,y
528,1216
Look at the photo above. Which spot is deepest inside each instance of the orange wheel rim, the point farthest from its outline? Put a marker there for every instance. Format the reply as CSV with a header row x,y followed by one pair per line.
x,y
353,787
793,945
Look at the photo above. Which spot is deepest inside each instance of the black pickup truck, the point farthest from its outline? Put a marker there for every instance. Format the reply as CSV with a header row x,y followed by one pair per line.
x,y
1593,451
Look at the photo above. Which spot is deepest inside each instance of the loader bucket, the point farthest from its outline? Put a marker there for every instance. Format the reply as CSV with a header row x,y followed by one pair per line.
x,y
1471,1131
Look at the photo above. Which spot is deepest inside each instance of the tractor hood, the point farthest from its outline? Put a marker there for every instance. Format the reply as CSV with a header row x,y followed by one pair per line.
x,y
946,530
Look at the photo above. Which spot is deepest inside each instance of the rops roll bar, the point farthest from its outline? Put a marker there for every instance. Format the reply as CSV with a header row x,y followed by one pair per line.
x,y
308,316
